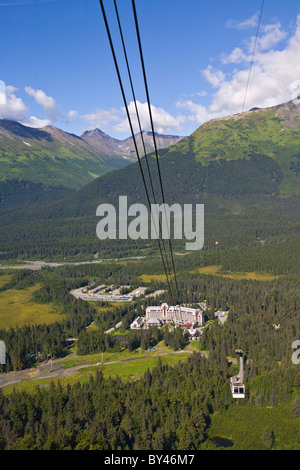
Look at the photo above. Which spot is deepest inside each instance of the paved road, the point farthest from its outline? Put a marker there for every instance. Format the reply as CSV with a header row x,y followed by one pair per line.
x,y
49,369
44,370
40,264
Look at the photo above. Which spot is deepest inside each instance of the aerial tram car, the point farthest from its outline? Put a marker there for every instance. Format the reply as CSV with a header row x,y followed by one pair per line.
x,y
237,381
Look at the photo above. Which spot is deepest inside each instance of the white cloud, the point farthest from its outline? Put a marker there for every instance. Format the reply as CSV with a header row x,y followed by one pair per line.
x,y
270,36
73,114
32,121
51,109
102,118
2,92
214,77
163,121
116,119
12,107
246,24
273,74
198,113
235,57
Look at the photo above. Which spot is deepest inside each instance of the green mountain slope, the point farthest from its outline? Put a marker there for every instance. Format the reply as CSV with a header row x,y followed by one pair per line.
x,y
50,156
39,165
238,167
109,146
273,132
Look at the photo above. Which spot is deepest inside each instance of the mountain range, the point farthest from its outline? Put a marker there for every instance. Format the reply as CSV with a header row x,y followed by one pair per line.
x,y
244,168
54,158
109,146
253,153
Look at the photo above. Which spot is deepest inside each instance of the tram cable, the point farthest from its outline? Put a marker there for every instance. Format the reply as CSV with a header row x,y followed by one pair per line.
x,y
241,387
132,133
139,125
253,54
153,132
285,316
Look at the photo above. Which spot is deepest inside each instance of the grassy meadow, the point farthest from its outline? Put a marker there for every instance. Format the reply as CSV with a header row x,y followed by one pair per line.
x,y
17,308
128,371
251,276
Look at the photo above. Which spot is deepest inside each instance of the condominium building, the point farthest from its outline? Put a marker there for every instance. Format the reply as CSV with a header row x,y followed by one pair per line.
x,y
179,314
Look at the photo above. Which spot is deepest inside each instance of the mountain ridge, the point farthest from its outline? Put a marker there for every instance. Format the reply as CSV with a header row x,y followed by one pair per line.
x,y
245,171
53,158
126,147
273,132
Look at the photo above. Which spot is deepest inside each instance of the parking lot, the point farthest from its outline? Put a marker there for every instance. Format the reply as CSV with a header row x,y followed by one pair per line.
x,y
98,294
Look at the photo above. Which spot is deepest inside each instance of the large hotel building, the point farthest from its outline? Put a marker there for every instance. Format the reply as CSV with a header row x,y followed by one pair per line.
x,y
179,315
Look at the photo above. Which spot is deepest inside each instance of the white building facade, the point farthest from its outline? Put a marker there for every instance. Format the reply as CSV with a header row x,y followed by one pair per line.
x,y
137,323
179,315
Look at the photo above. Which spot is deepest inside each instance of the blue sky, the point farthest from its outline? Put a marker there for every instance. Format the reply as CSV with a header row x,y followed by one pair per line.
x,y
57,68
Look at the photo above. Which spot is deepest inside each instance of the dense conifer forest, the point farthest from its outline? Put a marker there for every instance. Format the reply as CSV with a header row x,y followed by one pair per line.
x,y
170,407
